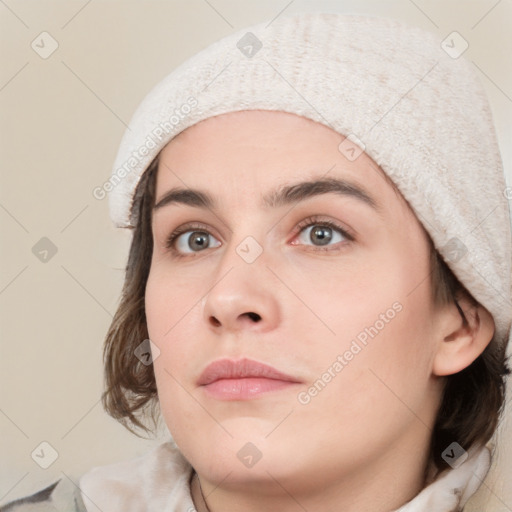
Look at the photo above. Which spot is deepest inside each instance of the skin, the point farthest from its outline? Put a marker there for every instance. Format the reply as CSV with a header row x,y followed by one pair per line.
x,y
361,444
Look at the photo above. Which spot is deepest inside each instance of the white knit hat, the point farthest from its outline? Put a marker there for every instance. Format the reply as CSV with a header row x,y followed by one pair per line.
x,y
409,100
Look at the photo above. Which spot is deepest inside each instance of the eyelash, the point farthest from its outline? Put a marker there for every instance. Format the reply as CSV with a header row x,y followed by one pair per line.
x,y
308,222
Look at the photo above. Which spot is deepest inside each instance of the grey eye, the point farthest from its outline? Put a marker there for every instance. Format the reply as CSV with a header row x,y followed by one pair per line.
x,y
194,241
317,234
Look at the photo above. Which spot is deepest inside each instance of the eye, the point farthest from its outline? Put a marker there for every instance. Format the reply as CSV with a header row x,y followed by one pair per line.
x,y
188,241
320,233
323,234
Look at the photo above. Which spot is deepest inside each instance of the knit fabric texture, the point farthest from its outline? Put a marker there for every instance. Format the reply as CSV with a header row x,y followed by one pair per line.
x,y
408,99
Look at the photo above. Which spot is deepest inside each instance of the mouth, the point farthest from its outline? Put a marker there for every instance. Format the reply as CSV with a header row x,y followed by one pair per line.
x,y
243,379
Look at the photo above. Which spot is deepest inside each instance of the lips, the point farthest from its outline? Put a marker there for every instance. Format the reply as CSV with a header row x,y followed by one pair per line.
x,y
227,379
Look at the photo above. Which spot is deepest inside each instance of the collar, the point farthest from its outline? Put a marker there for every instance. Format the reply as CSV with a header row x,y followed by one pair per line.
x,y
451,490
142,484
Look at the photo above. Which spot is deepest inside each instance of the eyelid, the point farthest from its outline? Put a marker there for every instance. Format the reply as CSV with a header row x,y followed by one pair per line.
x,y
347,232
307,222
188,226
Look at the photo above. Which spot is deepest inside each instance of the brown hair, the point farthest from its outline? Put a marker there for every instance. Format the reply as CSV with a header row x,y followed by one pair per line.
x,y
472,399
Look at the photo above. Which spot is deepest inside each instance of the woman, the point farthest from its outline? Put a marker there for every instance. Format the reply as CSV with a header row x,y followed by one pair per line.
x,y
317,295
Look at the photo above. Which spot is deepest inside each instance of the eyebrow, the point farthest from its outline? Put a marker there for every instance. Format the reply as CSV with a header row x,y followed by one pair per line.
x,y
282,196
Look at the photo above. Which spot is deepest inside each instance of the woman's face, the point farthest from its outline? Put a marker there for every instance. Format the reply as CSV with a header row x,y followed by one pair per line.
x,y
328,283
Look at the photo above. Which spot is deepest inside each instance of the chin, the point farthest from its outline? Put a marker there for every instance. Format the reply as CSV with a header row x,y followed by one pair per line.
x,y
248,457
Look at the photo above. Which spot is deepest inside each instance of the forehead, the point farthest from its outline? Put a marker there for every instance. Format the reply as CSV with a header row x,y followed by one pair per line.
x,y
250,155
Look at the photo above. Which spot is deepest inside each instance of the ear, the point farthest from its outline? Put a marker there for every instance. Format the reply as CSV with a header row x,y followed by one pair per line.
x,y
463,335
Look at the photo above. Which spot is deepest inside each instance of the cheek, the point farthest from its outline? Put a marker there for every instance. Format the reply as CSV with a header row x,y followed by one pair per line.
x,y
173,317
372,381
379,320
169,312
170,298
365,299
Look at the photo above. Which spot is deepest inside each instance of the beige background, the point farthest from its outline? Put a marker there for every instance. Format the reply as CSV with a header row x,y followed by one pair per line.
x,y
61,122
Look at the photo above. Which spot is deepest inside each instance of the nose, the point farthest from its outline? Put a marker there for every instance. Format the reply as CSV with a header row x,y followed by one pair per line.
x,y
243,297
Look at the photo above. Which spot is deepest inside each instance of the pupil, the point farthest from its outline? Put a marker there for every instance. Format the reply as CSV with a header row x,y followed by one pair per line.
x,y
323,235
199,240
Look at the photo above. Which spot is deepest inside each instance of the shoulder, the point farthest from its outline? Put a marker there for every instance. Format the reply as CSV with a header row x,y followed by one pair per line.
x,y
157,480
146,482
61,496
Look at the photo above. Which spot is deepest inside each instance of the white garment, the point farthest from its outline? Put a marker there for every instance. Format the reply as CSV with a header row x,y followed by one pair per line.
x,y
159,481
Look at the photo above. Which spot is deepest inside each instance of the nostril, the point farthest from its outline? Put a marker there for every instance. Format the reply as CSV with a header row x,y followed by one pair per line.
x,y
214,321
254,316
